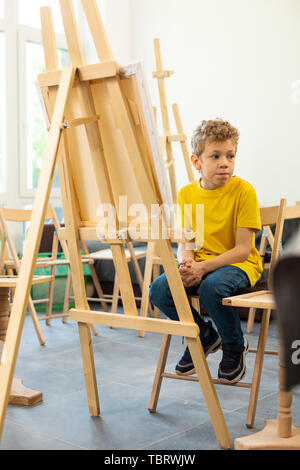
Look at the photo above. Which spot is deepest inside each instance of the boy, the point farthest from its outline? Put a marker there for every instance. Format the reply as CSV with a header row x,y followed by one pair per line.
x,y
228,259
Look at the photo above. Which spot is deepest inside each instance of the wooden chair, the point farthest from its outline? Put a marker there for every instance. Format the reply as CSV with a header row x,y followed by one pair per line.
x,y
66,262
10,260
268,238
13,263
255,299
269,216
133,254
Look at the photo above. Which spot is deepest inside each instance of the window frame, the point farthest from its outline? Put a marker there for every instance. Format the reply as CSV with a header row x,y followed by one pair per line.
x,y
17,194
3,194
30,34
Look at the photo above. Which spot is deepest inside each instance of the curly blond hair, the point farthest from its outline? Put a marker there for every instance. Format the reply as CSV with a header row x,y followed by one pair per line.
x,y
215,130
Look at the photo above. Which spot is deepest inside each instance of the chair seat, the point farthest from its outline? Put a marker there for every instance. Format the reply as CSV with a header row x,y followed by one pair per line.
x,y
257,299
262,284
12,281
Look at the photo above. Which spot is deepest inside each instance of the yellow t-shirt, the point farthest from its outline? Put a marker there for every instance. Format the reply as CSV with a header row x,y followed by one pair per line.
x,y
218,215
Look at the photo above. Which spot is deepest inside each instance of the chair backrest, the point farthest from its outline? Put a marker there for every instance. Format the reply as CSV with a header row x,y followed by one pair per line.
x,y
22,216
277,215
2,249
274,215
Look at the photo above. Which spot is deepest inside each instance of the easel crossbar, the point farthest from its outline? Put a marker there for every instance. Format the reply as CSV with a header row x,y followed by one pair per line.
x,y
121,236
133,322
85,73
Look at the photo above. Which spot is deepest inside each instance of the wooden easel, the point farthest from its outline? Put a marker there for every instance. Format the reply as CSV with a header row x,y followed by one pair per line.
x,y
167,140
106,152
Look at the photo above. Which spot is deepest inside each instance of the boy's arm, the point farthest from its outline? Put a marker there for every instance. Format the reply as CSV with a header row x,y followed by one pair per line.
x,y
185,258
238,254
183,253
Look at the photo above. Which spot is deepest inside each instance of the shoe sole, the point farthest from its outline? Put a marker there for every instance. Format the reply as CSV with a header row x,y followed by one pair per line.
x,y
212,349
243,371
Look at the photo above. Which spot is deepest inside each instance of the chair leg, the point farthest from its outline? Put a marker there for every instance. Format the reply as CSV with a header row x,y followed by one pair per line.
x,y
258,368
67,301
67,295
50,294
147,281
115,299
36,323
98,287
251,318
159,371
156,273
195,303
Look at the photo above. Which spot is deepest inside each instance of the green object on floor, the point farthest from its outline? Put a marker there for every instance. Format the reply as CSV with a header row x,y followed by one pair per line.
x,y
40,291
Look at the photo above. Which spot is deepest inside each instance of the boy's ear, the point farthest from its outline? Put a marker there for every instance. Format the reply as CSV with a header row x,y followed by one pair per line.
x,y
196,162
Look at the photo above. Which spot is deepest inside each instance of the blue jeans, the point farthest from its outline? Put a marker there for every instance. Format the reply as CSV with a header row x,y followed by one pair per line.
x,y
223,282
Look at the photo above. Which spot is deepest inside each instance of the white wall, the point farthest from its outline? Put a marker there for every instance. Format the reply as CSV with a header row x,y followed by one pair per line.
x,y
116,18
237,60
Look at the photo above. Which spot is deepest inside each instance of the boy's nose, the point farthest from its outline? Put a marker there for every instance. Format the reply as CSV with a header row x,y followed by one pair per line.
x,y
223,162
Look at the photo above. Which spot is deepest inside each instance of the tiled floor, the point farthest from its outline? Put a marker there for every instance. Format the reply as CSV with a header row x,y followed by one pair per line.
x,y
125,366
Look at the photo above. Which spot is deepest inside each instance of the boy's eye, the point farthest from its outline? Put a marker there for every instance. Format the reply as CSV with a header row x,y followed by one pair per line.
x,y
215,157
231,156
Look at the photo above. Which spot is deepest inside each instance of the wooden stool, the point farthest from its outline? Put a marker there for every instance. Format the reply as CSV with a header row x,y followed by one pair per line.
x,y
19,395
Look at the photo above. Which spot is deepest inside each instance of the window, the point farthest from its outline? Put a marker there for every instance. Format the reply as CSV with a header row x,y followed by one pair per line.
x,y
29,13
1,8
2,115
35,123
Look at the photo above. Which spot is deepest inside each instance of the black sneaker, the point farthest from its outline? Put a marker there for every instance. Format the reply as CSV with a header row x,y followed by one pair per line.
x,y
211,343
233,366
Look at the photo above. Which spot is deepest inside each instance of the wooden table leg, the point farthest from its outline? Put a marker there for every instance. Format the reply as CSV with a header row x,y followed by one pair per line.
x,y
20,395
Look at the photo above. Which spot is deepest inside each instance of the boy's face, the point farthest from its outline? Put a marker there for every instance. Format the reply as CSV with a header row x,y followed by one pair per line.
x,y
216,163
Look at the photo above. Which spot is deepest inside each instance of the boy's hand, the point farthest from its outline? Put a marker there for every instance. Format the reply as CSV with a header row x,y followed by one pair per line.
x,y
188,273
200,268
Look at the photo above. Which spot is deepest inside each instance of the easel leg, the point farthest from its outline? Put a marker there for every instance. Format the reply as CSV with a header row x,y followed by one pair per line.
x,y
159,371
89,368
194,345
76,269
146,284
208,390
22,293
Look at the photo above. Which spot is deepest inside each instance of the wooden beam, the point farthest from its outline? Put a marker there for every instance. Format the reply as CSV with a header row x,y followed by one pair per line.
x,y
133,322
176,138
85,73
79,122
